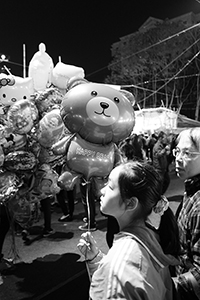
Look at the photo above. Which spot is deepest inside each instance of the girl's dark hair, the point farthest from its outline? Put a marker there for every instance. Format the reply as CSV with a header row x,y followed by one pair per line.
x,y
141,180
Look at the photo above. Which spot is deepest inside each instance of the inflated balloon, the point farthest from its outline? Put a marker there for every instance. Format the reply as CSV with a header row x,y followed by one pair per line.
x,y
47,156
45,183
61,147
22,116
2,156
19,161
13,89
13,142
40,68
9,185
46,100
68,180
62,73
99,113
90,159
5,136
99,116
50,128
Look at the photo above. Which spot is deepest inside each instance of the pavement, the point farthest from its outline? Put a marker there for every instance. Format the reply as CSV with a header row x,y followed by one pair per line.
x,y
52,267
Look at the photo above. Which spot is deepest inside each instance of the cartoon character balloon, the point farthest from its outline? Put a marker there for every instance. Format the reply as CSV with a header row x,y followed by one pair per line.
x,y
13,89
99,116
22,116
40,68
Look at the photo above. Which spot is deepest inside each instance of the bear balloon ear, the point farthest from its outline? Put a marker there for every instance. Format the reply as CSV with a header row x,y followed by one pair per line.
x,y
129,96
74,81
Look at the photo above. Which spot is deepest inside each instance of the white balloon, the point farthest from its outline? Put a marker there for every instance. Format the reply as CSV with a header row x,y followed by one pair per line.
x,y
14,88
63,72
40,68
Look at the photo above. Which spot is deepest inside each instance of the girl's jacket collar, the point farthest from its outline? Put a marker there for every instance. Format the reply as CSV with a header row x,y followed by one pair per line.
x,y
147,238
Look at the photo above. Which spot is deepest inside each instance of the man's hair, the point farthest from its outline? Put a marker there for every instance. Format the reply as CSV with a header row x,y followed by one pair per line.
x,y
193,134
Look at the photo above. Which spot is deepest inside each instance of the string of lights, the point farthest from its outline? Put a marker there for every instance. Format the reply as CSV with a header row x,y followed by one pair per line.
x,y
154,80
165,79
175,59
147,48
161,87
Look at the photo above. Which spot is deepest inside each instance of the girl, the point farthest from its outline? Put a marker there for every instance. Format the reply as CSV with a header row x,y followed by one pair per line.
x,y
137,265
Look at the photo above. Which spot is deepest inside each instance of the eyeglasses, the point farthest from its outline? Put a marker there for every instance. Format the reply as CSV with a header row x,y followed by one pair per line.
x,y
186,154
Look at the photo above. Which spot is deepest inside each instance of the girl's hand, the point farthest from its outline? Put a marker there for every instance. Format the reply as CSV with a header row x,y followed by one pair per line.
x,y
87,246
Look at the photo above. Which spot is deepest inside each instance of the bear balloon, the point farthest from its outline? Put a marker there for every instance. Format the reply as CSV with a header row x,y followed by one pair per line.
x,y
99,117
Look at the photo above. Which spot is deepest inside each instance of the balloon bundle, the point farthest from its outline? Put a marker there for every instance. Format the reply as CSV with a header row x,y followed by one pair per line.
x,y
28,130
55,117
30,123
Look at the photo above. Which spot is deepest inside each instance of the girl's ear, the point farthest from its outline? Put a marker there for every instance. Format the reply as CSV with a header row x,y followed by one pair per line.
x,y
131,203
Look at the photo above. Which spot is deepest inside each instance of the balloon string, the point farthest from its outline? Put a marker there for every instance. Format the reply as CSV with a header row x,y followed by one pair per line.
x,y
88,213
87,203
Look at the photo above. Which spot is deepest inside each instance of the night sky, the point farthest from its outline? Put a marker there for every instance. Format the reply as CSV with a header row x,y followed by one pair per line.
x,y
81,32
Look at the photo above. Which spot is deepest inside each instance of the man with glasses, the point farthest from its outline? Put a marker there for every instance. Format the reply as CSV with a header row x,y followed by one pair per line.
x,y
187,164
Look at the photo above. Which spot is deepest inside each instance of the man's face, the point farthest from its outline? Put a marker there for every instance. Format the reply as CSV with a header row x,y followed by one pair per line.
x,y
187,166
165,139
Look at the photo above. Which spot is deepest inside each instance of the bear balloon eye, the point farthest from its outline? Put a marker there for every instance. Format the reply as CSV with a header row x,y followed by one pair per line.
x,y
94,93
4,95
24,97
116,99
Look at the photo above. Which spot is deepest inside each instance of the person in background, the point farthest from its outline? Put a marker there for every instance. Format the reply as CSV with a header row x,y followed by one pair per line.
x,y
150,144
5,221
187,166
138,149
88,197
172,144
137,265
132,148
67,208
46,210
46,207
126,148
160,160
143,140
66,201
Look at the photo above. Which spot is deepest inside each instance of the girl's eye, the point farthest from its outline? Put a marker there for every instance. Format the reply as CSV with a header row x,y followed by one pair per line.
x,y
110,187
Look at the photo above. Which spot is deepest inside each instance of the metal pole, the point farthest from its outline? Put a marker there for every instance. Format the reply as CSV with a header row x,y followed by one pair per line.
x,y
24,61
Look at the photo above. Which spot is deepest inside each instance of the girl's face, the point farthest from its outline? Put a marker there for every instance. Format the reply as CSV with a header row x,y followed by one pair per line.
x,y
110,201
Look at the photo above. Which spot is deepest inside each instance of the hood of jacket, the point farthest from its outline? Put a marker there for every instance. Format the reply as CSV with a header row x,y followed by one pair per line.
x,y
148,239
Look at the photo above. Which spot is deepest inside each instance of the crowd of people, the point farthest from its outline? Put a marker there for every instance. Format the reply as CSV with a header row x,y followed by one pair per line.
x,y
153,253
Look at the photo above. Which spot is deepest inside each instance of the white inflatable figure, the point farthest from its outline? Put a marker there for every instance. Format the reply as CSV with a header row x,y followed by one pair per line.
x,y
63,72
40,69
12,89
